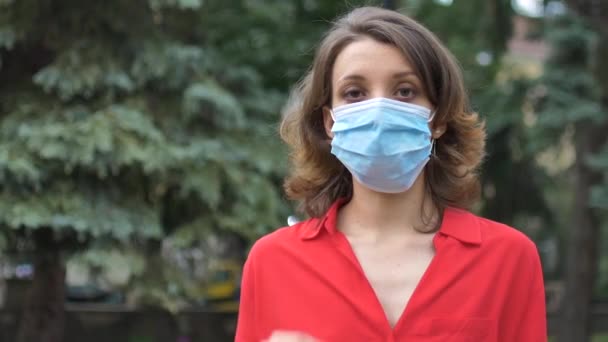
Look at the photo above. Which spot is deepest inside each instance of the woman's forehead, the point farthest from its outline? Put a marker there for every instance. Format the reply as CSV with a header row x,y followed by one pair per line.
x,y
369,58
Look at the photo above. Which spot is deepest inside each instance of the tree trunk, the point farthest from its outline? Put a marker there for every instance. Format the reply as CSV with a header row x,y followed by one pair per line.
x,y
389,4
582,247
583,240
43,315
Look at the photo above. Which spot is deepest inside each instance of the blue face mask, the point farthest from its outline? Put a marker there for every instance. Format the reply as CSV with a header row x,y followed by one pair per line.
x,y
384,143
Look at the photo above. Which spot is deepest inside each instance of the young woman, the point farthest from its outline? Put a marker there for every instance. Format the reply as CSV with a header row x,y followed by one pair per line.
x,y
385,152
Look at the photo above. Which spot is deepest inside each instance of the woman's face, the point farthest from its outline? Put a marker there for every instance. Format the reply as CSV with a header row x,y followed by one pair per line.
x,y
367,69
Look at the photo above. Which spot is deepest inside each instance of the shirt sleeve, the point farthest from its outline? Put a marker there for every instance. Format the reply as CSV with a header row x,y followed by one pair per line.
x,y
526,318
246,325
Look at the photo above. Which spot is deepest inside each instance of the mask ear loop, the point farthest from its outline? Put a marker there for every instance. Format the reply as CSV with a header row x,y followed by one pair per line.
x,y
333,117
432,139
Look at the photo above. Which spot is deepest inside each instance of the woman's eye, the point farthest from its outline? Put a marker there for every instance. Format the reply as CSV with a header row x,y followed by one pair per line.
x,y
406,93
353,94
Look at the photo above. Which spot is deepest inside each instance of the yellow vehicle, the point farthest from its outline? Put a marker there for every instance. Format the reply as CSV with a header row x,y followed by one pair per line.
x,y
223,287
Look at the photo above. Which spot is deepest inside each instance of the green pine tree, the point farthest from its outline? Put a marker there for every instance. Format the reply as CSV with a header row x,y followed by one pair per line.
x,y
124,121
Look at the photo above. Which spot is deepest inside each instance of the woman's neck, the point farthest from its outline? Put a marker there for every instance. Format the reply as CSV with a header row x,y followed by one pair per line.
x,y
376,215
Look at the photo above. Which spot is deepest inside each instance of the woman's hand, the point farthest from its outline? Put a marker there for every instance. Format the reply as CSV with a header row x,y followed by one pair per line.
x,y
290,336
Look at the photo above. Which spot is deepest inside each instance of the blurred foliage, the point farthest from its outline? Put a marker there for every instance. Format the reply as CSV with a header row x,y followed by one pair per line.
x,y
121,127
512,182
531,107
126,127
569,105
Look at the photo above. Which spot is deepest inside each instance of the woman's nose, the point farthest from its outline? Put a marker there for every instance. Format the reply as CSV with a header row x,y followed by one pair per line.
x,y
380,92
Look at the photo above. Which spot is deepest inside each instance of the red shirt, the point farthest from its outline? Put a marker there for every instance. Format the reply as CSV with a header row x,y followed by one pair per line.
x,y
484,284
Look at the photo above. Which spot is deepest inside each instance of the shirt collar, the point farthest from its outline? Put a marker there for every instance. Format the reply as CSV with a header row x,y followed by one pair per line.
x,y
327,222
458,224
461,225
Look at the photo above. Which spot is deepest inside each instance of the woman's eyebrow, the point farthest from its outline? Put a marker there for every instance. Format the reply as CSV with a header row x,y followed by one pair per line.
x,y
352,77
358,77
405,74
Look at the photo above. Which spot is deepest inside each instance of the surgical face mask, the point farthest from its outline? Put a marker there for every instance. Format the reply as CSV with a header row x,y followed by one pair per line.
x,y
384,143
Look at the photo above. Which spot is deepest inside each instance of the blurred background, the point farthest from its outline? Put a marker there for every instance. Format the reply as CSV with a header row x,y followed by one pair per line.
x,y
139,154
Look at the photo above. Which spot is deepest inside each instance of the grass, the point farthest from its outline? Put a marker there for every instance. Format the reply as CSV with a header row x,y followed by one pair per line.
x,y
596,338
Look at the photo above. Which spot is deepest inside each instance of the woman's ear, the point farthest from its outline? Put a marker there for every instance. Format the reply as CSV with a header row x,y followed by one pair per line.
x,y
328,121
438,130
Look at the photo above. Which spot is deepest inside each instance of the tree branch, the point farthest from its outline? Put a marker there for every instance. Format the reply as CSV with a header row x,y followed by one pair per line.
x,y
596,11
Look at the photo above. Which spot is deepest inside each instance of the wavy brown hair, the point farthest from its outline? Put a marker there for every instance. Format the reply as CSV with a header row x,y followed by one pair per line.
x,y
318,178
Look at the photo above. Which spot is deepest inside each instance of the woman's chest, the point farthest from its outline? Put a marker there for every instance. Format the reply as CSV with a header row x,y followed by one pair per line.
x,y
349,297
393,270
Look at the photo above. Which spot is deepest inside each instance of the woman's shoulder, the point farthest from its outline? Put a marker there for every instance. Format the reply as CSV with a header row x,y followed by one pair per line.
x,y
497,236
494,234
281,240
494,231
